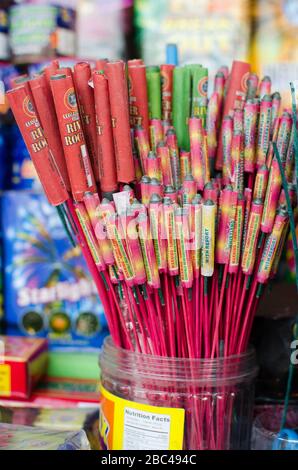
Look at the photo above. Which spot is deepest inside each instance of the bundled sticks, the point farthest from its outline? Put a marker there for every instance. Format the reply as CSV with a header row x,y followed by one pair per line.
x,y
175,199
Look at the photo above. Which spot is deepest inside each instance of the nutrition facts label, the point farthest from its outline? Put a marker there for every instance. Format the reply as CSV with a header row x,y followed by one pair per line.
x,y
145,430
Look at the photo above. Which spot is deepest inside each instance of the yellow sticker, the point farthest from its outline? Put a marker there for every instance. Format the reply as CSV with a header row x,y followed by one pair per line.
x,y
126,425
5,380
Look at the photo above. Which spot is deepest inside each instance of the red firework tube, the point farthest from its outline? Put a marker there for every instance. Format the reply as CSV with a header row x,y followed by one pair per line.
x,y
171,194
261,183
272,196
143,147
282,201
105,146
219,85
45,108
89,235
134,248
120,118
264,130
73,141
138,98
236,150
156,133
238,174
217,182
265,87
284,135
227,136
163,154
252,86
235,97
46,168
185,164
145,189
251,242
184,253
100,64
227,210
155,188
174,156
276,102
85,95
170,233
210,192
189,189
248,199
238,120
50,70
132,62
250,129
213,115
157,231
196,150
148,252
237,235
166,73
153,166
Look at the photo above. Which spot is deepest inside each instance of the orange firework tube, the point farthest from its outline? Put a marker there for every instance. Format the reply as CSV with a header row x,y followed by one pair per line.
x,y
276,102
261,181
235,98
163,154
166,73
105,146
100,64
174,156
210,192
208,238
196,232
227,137
284,135
171,193
50,177
213,114
45,108
133,247
171,239
148,252
248,201
183,242
118,93
251,242
237,235
196,150
272,196
264,130
97,215
271,246
153,166
189,189
185,165
156,133
252,86
145,189
73,141
85,95
115,235
265,87
143,147
157,231
227,202
138,98
89,235
250,129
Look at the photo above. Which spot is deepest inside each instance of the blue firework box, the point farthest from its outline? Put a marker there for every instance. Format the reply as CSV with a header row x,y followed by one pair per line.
x,y
48,291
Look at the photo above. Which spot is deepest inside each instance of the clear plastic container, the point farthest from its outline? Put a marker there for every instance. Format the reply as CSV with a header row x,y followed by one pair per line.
x,y
216,394
266,434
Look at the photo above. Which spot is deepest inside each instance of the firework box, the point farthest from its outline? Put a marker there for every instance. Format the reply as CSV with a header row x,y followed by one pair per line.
x,y
48,291
23,361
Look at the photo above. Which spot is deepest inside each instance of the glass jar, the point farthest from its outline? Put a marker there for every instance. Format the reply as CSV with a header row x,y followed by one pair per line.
x,y
216,397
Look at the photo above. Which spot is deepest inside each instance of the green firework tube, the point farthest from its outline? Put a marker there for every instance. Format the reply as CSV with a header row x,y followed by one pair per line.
x,y
181,105
154,92
199,93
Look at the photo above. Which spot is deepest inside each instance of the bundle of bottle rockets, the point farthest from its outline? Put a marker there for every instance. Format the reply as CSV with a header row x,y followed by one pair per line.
x,y
175,198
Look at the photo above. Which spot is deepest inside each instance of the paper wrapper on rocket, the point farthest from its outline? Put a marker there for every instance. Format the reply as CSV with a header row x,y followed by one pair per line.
x,y
166,72
48,172
105,146
235,97
138,98
118,94
75,150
